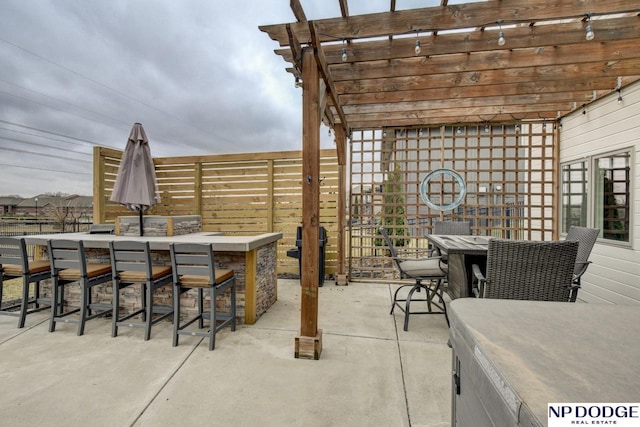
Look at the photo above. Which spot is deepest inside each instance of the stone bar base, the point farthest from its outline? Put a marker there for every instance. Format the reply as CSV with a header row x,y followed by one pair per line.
x,y
309,347
155,225
256,284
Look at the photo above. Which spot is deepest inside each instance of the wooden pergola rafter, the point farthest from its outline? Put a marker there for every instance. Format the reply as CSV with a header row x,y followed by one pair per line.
x,y
364,72
546,68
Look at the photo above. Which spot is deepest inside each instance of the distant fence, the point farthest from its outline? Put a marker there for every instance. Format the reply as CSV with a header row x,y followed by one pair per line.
x,y
28,227
238,194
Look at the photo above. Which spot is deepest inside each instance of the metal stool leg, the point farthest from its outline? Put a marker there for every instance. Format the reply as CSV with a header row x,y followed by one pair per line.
x,y
176,313
212,327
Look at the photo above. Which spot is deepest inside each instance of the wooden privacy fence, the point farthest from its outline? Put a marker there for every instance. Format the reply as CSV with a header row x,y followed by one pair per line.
x,y
238,194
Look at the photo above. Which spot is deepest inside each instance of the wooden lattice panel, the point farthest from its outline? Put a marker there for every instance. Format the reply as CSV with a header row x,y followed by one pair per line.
x,y
509,171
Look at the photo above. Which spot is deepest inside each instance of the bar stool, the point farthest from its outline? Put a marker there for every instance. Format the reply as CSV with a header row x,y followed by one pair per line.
x,y
131,265
69,265
194,268
14,263
430,270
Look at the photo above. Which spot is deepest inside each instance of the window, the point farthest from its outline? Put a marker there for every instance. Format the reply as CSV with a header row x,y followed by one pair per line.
x,y
574,195
612,195
609,197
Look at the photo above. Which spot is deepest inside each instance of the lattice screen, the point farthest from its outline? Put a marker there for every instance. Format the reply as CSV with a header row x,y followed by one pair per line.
x,y
509,172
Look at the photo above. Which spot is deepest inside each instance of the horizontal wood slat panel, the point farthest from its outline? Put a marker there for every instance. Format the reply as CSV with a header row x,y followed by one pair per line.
x,y
234,195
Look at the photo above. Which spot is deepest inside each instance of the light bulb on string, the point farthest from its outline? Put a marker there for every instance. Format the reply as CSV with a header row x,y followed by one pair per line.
x,y
590,35
417,49
501,39
344,51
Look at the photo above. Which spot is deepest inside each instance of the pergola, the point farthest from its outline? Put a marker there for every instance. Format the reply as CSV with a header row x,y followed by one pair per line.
x,y
482,62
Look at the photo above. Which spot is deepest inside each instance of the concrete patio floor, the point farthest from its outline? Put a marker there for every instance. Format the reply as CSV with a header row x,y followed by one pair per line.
x,y
371,372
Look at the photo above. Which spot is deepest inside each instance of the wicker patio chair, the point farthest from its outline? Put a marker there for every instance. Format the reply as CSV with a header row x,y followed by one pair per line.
x,y
450,228
430,270
586,238
14,263
131,265
527,270
194,268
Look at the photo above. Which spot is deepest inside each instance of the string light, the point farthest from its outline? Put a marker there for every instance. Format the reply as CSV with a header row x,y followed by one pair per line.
x,y
589,34
501,39
417,48
344,51
619,88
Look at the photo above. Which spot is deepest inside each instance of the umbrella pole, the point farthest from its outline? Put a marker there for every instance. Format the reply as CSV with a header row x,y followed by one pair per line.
x,y
141,221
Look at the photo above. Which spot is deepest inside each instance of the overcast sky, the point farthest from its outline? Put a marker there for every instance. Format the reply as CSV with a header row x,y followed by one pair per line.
x,y
198,74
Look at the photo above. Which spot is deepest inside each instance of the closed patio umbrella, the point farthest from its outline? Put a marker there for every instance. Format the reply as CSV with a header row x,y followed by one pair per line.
x,y
136,184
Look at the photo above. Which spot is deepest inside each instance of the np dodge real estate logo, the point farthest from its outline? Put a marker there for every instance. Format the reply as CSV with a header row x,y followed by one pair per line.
x,y
594,414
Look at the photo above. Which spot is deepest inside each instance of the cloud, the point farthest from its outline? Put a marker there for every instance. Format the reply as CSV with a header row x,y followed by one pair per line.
x,y
200,77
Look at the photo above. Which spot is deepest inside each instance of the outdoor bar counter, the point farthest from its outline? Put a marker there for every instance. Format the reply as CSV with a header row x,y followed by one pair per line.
x,y
252,258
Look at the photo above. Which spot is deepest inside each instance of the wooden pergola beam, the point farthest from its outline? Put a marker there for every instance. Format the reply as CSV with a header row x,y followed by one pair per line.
x,y
344,8
451,17
488,86
461,115
574,87
297,10
542,37
424,120
326,76
570,57
341,148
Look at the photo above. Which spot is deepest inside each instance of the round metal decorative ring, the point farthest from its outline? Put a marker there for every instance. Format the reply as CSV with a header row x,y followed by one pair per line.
x,y
435,173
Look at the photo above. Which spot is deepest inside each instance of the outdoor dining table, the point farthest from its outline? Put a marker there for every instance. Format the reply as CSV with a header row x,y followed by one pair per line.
x,y
462,252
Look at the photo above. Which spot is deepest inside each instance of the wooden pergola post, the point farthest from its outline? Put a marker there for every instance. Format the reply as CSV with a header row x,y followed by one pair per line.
x,y
308,344
341,148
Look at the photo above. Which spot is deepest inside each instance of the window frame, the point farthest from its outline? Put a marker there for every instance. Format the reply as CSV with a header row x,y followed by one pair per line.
x,y
591,163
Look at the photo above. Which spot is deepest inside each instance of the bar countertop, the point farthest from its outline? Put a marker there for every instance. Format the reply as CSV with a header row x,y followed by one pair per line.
x,y
219,240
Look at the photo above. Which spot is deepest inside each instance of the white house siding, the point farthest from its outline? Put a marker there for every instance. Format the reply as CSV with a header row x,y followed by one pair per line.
x,y
614,275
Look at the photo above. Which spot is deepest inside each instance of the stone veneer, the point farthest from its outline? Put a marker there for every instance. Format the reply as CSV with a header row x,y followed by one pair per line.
x,y
156,225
